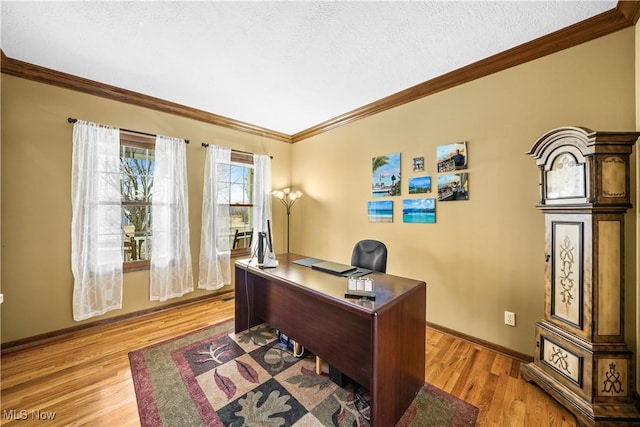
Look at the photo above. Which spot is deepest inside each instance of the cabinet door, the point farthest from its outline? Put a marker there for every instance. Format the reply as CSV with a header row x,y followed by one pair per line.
x,y
568,286
565,361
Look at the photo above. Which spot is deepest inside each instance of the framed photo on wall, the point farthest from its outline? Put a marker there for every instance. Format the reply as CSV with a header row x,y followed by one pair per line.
x,y
385,175
418,164
453,186
420,184
419,211
380,211
452,157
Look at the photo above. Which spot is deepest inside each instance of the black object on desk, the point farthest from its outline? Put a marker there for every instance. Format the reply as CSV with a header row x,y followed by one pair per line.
x,y
353,293
334,267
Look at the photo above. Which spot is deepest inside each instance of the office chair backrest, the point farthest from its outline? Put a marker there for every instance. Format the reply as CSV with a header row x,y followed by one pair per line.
x,y
370,254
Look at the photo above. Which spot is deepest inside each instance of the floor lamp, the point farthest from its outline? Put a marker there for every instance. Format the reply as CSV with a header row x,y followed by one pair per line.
x,y
288,199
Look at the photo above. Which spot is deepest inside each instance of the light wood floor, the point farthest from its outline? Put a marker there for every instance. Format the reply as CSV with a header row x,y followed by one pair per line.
x,y
85,380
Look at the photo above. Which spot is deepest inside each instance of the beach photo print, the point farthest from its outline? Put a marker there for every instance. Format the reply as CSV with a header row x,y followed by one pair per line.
x,y
385,176
380,211
419,211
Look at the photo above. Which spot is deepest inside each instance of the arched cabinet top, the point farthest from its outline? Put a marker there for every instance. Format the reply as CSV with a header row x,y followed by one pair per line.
x,y
587,141
579,166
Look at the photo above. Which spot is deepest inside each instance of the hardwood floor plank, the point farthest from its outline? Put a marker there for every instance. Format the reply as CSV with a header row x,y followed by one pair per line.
x,y
501,365
495,413
85,378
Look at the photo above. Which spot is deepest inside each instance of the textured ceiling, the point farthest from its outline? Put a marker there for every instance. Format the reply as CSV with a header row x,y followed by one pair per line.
x,y
284,66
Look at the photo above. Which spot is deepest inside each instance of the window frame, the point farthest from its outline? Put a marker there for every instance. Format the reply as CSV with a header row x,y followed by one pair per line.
x,y
247,159
145,142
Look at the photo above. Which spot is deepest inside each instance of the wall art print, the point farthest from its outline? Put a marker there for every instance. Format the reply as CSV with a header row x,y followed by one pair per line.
x,y
418,164
380,211
385,175
452,157
419,211
453,186
420,184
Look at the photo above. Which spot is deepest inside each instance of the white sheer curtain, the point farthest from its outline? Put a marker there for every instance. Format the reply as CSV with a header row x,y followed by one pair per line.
x,y
261,196
171,271
215,251
96,236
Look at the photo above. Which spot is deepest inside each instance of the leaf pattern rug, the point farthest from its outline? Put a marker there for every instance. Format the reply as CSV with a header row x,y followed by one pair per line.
x,y
213,377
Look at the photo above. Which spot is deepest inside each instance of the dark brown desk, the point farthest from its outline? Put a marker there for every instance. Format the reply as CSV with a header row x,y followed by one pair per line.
x,y
379,344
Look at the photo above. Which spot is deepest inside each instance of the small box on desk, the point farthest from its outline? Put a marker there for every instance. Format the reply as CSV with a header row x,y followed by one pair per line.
x,y
358,287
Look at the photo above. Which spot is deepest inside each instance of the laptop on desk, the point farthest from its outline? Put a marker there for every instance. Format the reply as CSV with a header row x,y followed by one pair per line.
x,y
333,267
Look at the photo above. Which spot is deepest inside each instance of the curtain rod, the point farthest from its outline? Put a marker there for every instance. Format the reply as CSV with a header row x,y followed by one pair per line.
x,y
205,145
72,120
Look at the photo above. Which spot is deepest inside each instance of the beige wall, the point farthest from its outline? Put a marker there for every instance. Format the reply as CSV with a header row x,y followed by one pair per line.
x,y
36,197
484,255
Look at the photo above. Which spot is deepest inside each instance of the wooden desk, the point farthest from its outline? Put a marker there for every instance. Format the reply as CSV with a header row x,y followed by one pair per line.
x,y
379,344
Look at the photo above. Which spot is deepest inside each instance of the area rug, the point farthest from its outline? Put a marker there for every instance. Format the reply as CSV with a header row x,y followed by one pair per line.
x,y
213,377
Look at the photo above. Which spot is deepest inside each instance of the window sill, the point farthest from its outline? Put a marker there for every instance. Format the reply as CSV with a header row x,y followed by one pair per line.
x,y
129,266
136,265
240,253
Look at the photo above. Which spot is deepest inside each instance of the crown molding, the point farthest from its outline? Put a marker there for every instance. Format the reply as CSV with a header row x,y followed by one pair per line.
x,y
40,74
625,14
630,9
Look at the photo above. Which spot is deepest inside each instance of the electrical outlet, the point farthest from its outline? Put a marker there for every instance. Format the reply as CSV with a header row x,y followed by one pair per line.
x,y
509,318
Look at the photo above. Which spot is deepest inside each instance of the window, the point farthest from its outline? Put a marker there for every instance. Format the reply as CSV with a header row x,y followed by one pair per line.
x,y
235,183
137,162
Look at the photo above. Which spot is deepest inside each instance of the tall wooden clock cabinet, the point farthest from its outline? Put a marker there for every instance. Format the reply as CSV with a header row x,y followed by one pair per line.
x,y
581,358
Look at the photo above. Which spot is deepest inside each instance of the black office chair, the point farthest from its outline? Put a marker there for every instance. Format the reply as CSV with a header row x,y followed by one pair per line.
x,y
370,254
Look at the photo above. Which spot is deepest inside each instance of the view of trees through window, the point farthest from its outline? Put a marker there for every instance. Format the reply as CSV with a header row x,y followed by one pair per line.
x,y
235,186
136,182
137,162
